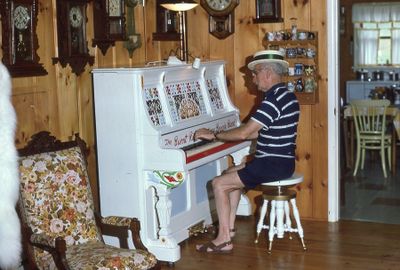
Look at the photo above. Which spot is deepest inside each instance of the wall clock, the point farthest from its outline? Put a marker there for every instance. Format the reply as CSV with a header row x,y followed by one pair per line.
x,y
19,39
109,23
221,16
71,35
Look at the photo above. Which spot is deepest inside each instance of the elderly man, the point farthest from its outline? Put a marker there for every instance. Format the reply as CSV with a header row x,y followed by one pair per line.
x,y
274,125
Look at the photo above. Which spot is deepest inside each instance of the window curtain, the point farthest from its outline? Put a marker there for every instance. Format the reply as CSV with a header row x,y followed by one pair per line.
x,y
365,47
396,47
366,40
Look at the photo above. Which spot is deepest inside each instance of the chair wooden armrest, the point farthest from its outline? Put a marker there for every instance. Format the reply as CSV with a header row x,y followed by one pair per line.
x,y
119,226
55,246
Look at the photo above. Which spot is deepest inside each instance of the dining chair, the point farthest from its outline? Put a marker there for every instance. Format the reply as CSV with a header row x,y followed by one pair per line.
x,y
371,123
61,229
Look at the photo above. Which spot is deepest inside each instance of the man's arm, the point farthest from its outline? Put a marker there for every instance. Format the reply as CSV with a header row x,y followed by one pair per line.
x,y
247,131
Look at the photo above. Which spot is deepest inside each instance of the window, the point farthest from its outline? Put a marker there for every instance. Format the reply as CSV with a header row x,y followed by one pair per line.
x,y
376,34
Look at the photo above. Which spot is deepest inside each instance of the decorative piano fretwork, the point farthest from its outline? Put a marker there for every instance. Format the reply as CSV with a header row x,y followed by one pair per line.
x,y
153,106
185,100
215,96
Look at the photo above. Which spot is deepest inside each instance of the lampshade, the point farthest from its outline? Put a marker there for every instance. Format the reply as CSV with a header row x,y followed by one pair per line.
x,y
179,5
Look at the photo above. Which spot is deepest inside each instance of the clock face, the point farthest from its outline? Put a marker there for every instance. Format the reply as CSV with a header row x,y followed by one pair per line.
x,y
114,8
219,5
21,17
75,17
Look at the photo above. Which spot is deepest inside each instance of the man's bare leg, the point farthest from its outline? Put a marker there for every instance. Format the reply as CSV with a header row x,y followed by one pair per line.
x,y
222,186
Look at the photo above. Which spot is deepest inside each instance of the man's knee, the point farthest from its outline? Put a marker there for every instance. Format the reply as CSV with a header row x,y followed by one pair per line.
x,y
217,183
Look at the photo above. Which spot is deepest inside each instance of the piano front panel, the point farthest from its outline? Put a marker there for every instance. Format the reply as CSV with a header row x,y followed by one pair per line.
x,y
194,202
214,93
185,100
153,106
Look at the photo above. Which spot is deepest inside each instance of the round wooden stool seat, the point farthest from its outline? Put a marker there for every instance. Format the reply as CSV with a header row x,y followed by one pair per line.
x,y
280,194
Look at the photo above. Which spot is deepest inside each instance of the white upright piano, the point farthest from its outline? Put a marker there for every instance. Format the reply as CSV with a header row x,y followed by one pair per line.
x,y
149,165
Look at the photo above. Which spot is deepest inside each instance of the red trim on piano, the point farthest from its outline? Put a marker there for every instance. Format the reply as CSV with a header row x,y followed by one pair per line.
x,y
211,151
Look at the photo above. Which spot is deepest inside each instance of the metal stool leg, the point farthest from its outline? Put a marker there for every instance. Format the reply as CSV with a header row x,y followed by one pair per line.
x,y
260,224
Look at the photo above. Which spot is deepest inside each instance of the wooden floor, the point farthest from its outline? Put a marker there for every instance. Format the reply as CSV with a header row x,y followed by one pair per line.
x,y
341,245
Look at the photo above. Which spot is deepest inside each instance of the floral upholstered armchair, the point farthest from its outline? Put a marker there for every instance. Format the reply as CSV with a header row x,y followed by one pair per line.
x,y
60,227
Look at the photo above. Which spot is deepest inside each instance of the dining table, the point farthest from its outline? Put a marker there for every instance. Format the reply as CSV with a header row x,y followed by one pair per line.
x,y
393,111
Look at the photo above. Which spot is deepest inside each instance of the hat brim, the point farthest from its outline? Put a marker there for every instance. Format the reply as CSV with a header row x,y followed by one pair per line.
x,y
253,64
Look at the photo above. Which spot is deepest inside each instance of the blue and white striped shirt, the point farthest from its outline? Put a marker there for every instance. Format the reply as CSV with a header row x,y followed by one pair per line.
x,y
279,114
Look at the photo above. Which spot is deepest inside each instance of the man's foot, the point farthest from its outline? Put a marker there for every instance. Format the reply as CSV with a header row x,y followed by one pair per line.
x,y
210,247
232,232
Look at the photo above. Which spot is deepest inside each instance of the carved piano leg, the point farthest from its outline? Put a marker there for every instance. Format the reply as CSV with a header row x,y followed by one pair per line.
x,y
165,247
244,207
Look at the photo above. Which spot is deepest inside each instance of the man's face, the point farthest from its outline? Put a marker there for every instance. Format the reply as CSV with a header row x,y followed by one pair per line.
x,y
260,77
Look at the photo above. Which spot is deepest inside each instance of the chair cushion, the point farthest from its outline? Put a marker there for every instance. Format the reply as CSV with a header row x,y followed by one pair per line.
x,y
56,198
96,255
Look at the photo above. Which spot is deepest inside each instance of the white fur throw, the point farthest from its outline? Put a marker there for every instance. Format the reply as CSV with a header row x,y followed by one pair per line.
x,y
10,234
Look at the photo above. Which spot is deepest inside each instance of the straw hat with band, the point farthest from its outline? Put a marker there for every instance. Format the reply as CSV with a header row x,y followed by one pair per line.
x,y
268,56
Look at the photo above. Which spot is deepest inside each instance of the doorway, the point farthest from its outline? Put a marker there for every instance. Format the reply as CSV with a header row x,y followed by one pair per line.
x,y
368,196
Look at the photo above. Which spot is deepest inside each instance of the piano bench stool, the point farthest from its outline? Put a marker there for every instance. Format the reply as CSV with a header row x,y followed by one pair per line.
x,y
280,194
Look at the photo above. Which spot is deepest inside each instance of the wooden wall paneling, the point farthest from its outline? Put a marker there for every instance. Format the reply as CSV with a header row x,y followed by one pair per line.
x,y
67,102
139,55
31,106
198,37
305,162
300,11
46,51
85,116
320,118
152,47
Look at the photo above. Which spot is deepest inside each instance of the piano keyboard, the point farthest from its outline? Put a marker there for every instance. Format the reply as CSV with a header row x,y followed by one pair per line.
x,y
205,148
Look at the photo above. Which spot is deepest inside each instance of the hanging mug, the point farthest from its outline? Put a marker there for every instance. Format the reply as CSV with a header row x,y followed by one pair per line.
x,y
291,71
298,69
299,85
290,86
271,36
309,85
309,70
310,53
291,52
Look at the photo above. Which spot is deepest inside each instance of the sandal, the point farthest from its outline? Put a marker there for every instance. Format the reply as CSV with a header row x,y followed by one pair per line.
x,y
210,247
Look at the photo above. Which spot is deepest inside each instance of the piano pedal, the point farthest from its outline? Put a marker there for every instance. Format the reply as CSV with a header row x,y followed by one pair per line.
x,y
197,228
